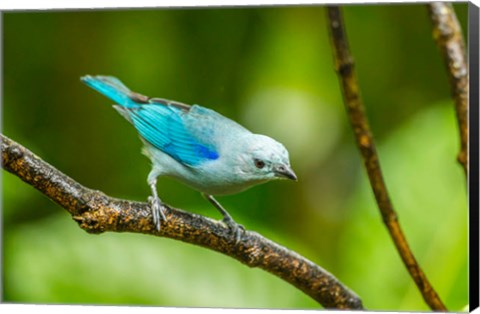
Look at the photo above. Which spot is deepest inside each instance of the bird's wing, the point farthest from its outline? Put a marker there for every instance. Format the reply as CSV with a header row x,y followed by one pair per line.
x,y
190,134
163,126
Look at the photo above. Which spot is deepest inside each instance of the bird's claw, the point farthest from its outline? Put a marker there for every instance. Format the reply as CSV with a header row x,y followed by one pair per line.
x,y
158,211
236,228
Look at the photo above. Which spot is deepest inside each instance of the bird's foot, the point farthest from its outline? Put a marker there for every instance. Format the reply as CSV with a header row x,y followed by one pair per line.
x,y
236,228
158,211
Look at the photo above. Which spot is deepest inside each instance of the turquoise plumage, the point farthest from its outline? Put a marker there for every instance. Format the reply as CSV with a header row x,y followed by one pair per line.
x,y
160,124
197,146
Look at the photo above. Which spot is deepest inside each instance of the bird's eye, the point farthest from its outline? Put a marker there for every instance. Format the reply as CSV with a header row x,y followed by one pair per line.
x,y
259,163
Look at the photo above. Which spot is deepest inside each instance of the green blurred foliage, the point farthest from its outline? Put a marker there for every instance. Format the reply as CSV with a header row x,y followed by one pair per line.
x,y
271,69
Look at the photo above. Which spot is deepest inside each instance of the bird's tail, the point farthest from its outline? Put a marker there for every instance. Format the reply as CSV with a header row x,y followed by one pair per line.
x,y
113,88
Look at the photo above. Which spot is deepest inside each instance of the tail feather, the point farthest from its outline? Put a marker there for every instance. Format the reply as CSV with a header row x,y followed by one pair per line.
x,y
124,112
111,87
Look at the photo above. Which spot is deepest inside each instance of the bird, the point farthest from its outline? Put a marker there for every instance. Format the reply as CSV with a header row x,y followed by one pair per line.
x,y
197,146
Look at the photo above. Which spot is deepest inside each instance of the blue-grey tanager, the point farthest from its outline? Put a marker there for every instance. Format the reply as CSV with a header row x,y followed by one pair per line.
x,y
197,146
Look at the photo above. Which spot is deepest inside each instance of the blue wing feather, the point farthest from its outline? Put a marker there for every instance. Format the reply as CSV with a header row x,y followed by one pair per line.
x,y
161,124
164,128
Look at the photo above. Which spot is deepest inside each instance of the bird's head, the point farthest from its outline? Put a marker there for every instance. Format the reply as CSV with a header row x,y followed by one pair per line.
x,y
266,159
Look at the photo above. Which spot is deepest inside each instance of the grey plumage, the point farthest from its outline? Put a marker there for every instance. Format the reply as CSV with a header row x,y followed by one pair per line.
x,y
197,146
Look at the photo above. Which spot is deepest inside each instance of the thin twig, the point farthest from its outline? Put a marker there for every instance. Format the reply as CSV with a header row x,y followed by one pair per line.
x,y
344,65
448,35
95,212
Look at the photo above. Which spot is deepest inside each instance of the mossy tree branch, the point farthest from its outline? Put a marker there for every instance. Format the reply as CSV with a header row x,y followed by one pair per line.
x,y
96,212
448,36
345,67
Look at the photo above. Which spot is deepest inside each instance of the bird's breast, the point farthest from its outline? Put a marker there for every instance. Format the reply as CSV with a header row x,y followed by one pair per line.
x,y
217,178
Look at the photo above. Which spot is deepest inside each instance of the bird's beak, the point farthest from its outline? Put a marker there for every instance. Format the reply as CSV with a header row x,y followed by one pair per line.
x,y
284,171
